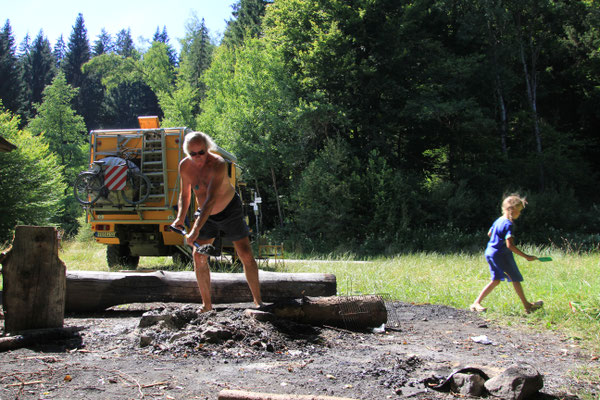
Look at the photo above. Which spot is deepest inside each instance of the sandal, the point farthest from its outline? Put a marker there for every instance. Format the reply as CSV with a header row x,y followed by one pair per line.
x,y
477,308
535,306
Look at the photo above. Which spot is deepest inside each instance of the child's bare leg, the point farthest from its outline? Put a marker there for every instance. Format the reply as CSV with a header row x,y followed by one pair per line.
x,y
521,294
484,292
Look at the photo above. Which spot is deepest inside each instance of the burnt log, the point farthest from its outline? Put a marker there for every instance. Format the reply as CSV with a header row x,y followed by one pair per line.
x,y
349,312
89,291
34,337
34,280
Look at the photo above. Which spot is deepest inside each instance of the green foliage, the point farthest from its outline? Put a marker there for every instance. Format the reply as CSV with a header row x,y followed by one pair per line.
x,y
65,133
127,93
330,186
179,105
62,127
31,180
114,69
158,71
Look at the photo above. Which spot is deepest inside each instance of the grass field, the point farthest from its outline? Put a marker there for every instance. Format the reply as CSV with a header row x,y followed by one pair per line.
x,y
569,285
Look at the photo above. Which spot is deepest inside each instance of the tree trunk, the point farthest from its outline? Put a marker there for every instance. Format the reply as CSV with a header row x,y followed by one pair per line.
x,y
530,75
349,312
34,281
95,291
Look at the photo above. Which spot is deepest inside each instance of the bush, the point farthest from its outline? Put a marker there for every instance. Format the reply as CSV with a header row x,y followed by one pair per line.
x,y
31,182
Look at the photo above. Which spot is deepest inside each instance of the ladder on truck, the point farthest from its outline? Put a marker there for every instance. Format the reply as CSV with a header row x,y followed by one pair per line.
x,y
154,165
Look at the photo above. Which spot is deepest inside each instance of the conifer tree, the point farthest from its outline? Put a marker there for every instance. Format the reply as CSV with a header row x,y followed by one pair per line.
x,y
40,66
78,53
124,44
163,37
10,75
247,21
103,44
60,51
196,53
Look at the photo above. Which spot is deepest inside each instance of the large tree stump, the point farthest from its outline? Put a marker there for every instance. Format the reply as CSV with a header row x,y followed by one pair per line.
x,y
95,291
34,280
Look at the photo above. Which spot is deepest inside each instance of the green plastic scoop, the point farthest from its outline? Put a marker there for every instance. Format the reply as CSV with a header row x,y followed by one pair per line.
x,y
544,259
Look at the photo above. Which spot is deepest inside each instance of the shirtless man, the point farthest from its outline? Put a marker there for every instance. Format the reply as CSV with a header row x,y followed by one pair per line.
x,y
220,209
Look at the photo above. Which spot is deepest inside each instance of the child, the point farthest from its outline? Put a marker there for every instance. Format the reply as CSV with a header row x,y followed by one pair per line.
x,y
499,254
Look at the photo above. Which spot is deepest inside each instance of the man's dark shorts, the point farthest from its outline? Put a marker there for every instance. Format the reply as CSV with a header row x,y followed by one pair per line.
x,y
230,221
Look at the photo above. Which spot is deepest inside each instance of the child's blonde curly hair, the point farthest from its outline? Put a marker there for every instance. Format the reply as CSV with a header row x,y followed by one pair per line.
x,y
513,201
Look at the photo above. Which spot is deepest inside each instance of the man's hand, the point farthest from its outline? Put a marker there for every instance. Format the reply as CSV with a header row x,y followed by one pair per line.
x,y
178,223
190,238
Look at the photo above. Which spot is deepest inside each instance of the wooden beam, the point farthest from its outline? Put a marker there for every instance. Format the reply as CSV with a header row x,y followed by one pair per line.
x,y
95,291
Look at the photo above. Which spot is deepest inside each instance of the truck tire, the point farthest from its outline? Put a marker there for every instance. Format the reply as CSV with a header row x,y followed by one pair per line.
x,y
118,255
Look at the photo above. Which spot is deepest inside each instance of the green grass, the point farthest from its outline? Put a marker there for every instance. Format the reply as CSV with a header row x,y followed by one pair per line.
x,y
568,285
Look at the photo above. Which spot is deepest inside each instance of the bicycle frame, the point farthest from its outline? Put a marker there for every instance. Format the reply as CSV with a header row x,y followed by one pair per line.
x,y
133,186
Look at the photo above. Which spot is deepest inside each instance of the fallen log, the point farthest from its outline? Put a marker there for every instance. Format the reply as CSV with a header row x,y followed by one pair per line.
x,y
33,337
89,291
244,395
349,312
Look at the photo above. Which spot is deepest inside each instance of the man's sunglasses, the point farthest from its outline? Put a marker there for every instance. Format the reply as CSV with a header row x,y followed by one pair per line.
x,y
197,153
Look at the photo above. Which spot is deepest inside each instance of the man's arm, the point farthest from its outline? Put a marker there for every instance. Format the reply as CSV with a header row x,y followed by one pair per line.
x,y
185,189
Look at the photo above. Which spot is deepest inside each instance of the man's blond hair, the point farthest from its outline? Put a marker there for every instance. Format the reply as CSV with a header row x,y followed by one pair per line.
x,y
198,137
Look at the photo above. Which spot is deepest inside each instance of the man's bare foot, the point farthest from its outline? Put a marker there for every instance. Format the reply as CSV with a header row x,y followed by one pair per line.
x,y
204,308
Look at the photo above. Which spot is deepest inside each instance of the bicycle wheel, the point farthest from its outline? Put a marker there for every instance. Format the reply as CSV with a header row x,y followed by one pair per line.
x,y
137,188
87,187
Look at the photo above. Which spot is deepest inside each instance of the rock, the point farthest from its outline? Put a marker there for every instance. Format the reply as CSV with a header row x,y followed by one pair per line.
x,y
261,316
145,340
216,334
467,384
517,382
150,318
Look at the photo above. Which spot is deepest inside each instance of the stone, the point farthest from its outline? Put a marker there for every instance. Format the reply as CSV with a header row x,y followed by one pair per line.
x,y
517,382
467,384
216,334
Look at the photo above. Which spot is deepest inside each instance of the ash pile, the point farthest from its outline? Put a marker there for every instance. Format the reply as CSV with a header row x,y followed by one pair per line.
x,y
186,330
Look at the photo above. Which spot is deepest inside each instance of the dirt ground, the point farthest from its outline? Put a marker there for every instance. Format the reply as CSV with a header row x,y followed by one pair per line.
x,y
194,356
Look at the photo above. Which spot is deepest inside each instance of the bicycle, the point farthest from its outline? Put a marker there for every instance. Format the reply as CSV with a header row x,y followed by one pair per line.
x,y
101,179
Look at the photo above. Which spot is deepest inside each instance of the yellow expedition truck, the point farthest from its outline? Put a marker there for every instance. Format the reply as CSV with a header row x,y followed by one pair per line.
x,y
134,225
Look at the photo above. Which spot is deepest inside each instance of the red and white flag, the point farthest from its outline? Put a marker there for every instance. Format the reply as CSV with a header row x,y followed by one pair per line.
x,y
115,177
